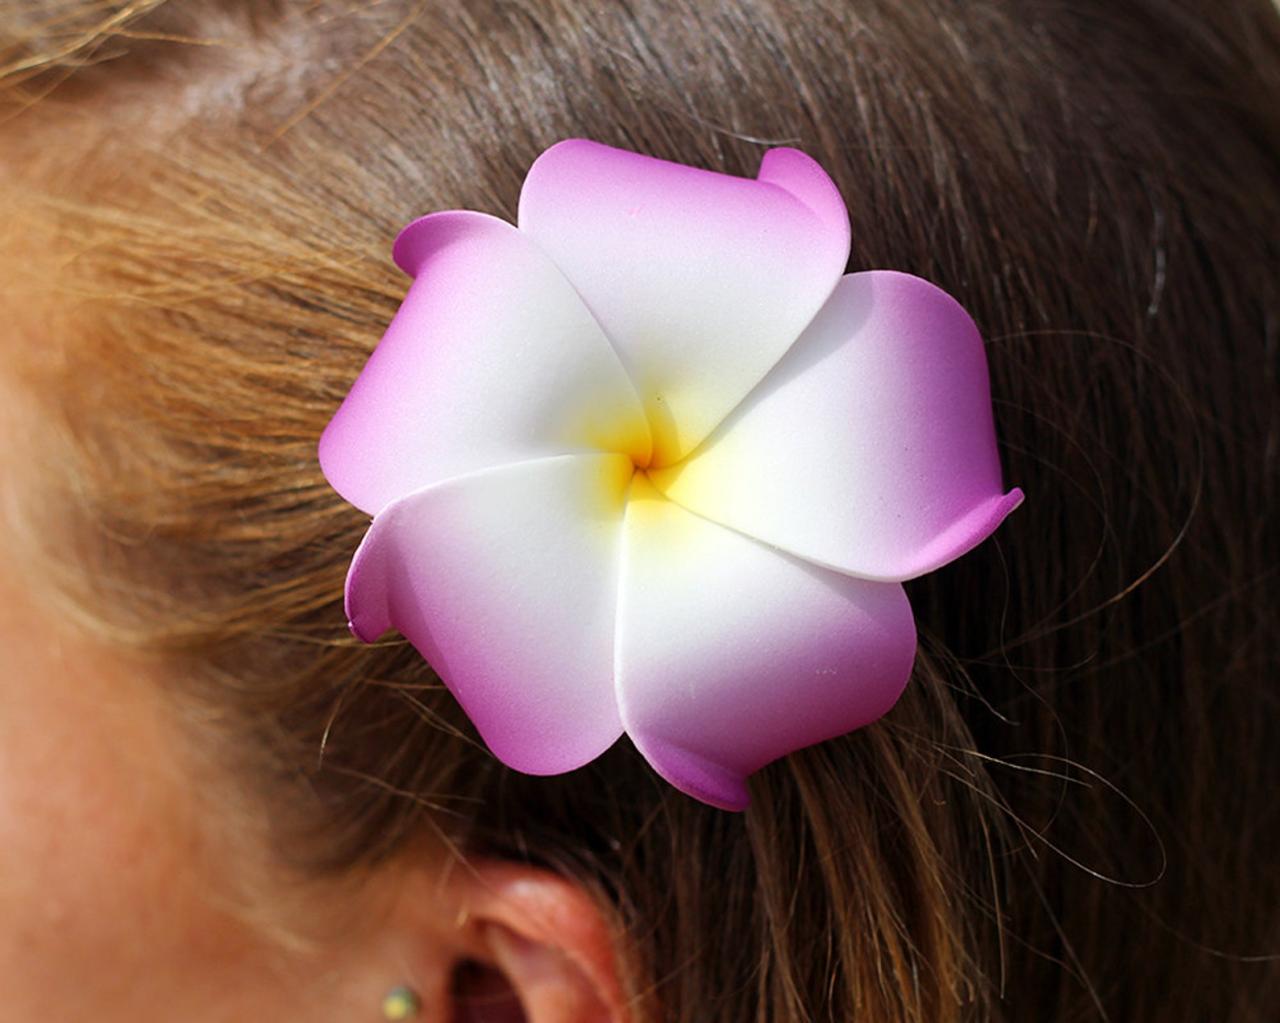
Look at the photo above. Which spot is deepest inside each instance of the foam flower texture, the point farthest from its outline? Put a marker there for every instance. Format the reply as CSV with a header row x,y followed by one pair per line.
x,y
649,462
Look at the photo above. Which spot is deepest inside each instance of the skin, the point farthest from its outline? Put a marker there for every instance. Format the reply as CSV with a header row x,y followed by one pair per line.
x,y
109,885
129,885
117,896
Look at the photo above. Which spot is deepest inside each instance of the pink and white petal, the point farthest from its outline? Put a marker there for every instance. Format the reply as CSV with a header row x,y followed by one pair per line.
x,y
506,582
701,280
492,358
731,654
870,448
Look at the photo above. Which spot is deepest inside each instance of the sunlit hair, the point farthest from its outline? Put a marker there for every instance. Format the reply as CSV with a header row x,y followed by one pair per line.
x,y
1067,814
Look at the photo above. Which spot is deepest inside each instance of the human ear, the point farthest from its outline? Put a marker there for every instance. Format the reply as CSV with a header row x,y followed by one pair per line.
x,y
492,941
545,951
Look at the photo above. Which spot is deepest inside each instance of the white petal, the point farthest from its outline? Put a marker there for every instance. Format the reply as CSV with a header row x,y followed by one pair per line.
x,y
731,654
491,359
701,280
870,448
506,582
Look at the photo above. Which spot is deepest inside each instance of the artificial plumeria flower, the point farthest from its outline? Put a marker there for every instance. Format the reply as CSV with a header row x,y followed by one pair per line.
x,y
649,462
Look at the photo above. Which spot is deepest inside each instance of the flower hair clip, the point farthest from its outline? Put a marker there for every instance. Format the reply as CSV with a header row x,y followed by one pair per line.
x,y
650,462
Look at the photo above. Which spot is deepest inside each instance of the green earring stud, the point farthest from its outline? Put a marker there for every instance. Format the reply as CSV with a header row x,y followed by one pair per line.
x,y
401,1003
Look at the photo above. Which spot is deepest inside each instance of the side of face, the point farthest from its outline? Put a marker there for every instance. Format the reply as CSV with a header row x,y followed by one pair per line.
x,y
128,889
118,889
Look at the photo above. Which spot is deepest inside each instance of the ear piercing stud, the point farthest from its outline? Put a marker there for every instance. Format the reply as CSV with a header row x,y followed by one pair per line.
x,y
401,1003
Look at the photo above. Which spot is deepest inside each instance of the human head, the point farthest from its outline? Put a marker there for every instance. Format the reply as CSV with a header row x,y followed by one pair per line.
x,y
201,238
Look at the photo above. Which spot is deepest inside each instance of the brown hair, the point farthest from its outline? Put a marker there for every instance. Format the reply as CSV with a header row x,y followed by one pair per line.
x,y
1067,814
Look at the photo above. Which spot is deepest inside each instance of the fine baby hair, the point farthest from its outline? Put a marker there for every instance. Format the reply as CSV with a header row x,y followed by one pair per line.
x,y
1065,816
